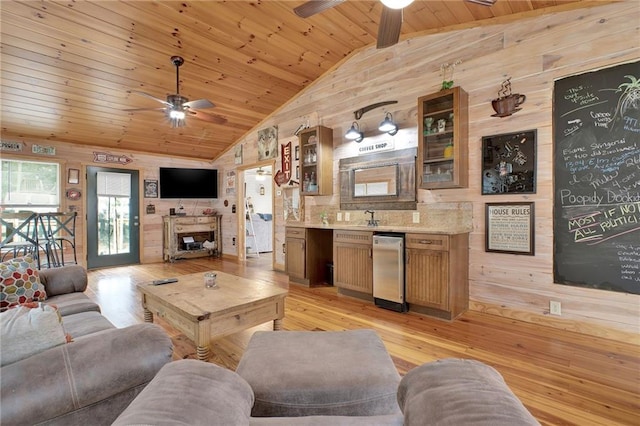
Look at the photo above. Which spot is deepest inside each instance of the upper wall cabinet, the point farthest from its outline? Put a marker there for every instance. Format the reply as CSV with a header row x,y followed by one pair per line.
x,y
443,132
316,150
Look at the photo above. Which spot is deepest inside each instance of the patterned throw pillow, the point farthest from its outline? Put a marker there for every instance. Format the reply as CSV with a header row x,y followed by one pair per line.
x,y
20,283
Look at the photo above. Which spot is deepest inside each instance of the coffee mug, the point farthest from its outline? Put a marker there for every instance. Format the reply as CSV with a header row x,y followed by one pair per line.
x,y
508,104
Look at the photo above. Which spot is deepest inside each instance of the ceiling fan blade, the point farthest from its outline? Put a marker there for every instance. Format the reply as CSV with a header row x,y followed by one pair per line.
x,y
151,97
389,29
199,104
211,118
483,2
144,109
312,7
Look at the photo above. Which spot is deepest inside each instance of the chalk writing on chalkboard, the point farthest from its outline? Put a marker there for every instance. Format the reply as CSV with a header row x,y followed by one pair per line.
x,y
597,179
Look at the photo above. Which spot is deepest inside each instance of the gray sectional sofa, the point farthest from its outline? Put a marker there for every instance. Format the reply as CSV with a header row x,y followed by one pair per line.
x,y
90,380
305,391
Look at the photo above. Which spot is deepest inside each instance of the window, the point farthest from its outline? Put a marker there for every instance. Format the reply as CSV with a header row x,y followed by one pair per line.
x,y
29,185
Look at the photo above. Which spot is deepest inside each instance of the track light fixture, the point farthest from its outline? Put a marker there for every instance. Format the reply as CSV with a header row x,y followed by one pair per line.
x,y
360,112
387,125
354,133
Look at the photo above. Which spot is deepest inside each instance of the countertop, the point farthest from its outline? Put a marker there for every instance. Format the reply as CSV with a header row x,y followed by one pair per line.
x,y
379,228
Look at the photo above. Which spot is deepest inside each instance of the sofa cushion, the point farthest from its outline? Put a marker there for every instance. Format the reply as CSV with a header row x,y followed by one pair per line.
x,y
453,392
26,331
190,392
73,303
384,420
320,373
20,283
85,324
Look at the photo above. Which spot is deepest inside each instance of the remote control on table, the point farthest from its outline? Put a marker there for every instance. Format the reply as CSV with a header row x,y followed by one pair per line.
x,y
165,281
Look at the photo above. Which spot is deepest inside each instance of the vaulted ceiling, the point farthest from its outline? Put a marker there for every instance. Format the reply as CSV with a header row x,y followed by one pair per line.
x,y
70,69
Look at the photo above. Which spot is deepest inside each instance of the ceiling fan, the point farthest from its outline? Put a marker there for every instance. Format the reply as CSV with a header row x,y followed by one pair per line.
x,y
390,20
261,174
177,107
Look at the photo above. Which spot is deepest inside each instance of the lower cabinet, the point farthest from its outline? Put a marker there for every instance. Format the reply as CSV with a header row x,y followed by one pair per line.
x,y
295,254
353,260
307,253
437,277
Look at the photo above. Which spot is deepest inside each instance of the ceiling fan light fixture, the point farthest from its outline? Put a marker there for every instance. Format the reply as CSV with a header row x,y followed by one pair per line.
x,y
387,125
176,114
396,4
354,133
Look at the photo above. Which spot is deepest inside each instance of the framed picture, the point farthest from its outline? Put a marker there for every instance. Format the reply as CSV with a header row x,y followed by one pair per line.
x,y
268,143
509,163
297,172
237,156
297,151
509,228
73,177
150,188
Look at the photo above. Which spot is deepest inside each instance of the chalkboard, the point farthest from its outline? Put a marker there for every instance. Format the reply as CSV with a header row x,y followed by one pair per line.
x,y
596,216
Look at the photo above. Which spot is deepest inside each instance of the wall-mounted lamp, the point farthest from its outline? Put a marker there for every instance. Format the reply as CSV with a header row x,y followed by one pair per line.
x,y
354,133
387,125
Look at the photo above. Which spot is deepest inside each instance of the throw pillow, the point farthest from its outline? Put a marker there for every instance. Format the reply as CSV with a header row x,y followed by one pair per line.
x,y
26,331
20,283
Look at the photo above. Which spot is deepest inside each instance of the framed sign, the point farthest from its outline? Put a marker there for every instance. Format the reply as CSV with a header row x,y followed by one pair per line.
x,y
150,188
509,228
73,177
509,163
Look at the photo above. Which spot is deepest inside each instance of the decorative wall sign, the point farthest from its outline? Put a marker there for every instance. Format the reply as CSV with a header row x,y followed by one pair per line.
x,y
151,209
43,150
73,194
509,163
105,157
11,146
230,182
509,228
268,143
286,162
150,188
376,146
73,176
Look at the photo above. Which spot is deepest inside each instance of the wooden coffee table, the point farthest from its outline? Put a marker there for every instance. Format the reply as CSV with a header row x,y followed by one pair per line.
x,y
203,314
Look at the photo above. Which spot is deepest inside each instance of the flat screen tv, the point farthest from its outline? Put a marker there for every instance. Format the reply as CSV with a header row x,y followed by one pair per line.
x,y
188,183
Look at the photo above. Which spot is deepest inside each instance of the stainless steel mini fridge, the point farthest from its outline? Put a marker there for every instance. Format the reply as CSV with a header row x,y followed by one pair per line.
x,y
388,271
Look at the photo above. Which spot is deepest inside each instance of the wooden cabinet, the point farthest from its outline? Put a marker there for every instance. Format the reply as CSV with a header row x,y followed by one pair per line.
x,y
353,260
437,277
443,133
307,252
316,161
192,236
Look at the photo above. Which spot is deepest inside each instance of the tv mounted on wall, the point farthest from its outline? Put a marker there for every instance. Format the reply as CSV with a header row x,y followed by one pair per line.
x,y
188,183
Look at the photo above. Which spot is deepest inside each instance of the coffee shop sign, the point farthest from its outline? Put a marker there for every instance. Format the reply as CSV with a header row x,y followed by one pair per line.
x,y
376,146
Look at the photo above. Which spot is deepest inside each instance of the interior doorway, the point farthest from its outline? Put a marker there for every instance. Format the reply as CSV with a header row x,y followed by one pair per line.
x,y
256,207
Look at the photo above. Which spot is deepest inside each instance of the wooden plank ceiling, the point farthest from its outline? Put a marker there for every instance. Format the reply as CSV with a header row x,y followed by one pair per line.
x,y
69,67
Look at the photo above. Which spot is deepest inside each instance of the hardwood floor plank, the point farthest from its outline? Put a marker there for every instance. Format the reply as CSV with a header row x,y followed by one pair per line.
x,y
563,378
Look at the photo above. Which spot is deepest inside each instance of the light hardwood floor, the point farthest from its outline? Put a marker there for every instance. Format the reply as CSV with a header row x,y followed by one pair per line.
x,y
563,378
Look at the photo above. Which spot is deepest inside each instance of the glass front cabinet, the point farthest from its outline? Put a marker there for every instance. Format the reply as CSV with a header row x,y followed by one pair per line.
x,y
442,134
316,171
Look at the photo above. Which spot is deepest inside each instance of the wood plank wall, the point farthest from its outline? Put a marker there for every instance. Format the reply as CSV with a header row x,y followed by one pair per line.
x,y
533,53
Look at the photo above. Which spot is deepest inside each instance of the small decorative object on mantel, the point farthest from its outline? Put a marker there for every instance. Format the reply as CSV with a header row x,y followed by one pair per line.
x,y
507,103
446,70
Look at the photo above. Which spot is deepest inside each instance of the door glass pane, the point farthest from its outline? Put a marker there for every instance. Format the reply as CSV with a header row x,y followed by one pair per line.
x,y
113,225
